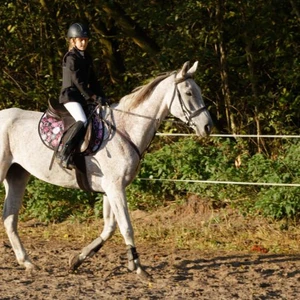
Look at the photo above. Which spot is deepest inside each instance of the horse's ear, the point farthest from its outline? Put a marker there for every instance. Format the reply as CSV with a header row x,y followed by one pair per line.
x,y
185,68
193,69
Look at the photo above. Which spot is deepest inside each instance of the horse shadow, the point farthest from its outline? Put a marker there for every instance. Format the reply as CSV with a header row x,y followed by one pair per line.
x,y
238,263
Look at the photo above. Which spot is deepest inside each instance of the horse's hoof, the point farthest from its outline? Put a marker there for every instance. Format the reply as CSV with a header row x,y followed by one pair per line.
x,y
74,262
131,265
143,275
31,269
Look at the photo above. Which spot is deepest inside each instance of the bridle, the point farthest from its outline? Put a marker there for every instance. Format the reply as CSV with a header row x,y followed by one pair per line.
x,y
186,112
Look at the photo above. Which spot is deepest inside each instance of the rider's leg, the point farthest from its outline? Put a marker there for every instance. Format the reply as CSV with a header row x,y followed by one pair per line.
x,y
75,134
76,111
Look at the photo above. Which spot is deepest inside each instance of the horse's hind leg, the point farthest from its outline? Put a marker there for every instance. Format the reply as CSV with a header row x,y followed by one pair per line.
x,y
109,228
15,183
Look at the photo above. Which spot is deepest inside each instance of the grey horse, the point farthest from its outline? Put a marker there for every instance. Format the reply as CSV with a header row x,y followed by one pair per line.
x,y
134,120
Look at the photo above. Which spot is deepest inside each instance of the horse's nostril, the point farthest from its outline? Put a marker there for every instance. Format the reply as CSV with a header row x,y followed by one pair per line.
x,y
207,129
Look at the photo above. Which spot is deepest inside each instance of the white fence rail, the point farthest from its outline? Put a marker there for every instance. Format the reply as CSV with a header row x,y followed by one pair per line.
x,y
233,135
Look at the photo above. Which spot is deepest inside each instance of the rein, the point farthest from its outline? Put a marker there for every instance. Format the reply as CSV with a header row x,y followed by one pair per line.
x,y
131,143
134,114
124,136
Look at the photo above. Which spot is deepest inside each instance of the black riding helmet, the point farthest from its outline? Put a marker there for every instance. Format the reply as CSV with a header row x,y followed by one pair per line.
x,y
78,30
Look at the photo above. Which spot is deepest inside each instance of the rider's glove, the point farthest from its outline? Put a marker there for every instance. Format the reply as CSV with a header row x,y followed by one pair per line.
x,y
102,100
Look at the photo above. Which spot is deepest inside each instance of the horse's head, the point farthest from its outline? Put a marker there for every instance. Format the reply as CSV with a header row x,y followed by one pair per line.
x,y
187,103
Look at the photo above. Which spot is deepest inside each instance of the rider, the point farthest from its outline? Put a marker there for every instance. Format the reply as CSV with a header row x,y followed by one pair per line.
x,y
79,86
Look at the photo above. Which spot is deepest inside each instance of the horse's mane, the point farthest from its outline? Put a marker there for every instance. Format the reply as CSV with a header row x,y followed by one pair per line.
x,y
139,94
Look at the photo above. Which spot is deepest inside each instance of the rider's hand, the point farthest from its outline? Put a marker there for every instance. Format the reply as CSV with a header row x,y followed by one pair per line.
x,y
102,100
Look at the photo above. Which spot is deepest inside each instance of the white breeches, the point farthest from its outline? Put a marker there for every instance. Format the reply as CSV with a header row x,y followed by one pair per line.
x,y
76,111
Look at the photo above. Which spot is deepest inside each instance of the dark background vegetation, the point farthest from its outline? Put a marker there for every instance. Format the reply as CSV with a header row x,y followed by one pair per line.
x,y
249,72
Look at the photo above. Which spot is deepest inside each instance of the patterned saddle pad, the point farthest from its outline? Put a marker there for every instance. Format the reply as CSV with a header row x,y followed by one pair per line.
x,y
51,130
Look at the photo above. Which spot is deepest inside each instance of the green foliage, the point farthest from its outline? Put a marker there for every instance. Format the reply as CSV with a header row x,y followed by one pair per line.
x,y
280,202
51,203
261,54
190,159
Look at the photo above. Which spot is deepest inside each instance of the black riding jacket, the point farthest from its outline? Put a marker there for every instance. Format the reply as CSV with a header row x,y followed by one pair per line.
x,y
79,82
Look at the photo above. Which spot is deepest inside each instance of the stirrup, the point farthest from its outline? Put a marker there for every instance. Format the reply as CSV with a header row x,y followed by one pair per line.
x,y
67,163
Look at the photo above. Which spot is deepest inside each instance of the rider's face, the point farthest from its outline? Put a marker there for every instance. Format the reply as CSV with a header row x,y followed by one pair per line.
x,y
81,43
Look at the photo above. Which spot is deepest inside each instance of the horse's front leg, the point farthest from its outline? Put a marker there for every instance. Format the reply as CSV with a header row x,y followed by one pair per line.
x,y
109,228
118,203
113,211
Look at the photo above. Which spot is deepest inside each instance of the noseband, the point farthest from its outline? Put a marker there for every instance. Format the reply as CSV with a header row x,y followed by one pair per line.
x,y
187,113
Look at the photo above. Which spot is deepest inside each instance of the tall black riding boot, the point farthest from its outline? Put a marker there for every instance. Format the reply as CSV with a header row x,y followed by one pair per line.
x,y
71,141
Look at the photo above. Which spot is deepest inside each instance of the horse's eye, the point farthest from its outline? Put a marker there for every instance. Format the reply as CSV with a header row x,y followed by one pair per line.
x,y
188,93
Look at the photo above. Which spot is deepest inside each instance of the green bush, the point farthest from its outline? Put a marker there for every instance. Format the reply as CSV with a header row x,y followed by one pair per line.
x,y
279,202
192,159
52,203
215,160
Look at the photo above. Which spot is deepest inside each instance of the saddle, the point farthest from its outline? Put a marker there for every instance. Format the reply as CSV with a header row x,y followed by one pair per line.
x,y
56,121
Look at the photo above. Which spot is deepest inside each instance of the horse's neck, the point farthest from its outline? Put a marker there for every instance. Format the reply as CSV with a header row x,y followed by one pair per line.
x,y
143,121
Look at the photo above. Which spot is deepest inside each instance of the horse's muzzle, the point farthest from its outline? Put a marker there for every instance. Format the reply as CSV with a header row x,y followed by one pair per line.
x,y
207,129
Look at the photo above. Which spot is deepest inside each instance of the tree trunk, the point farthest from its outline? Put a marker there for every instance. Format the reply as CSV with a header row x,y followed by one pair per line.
x,y
221,51
111,55
254,93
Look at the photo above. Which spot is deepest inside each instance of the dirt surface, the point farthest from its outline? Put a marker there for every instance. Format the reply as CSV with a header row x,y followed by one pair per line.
x,y
177,272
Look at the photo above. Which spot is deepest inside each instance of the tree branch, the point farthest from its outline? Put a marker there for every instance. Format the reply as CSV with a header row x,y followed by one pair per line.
x,y
130,28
